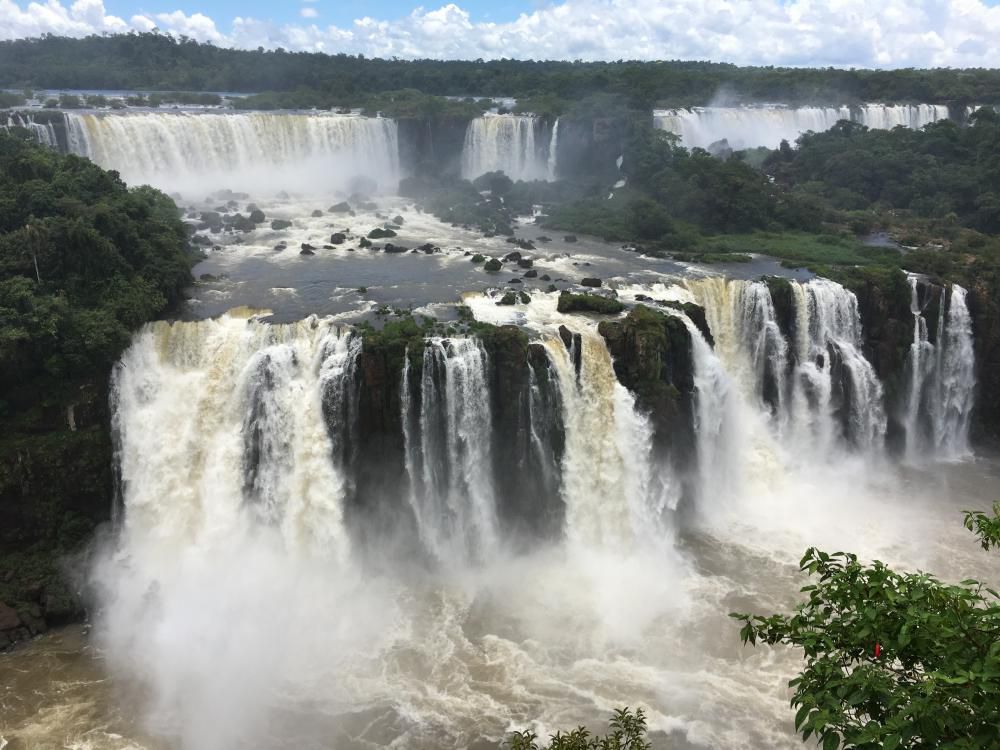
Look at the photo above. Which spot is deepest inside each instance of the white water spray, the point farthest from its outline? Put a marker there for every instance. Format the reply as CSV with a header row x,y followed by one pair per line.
x,y
506,143
255,152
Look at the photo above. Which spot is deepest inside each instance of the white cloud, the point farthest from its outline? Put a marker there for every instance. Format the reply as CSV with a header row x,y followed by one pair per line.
x,y
870,33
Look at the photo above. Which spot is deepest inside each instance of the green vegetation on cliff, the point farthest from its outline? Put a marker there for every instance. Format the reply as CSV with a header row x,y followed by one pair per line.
x,y
84,261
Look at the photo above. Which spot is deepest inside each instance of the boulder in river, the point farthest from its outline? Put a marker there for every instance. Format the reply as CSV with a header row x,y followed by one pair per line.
x,y
279,224
591,281
340,208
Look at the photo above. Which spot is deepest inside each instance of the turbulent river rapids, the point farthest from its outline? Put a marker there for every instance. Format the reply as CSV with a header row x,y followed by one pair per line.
x,y
315,547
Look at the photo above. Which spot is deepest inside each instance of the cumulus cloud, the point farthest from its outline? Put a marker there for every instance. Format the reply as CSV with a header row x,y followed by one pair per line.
x,y
869,33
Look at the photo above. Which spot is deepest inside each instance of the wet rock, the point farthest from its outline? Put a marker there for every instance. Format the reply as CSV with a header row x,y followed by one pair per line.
x,y
569,238
9,618
525,262
390,248
280,246
279,224
515,281
545,277
493,265
512,257
509,298
478,258
241,223
427,248
340,208
328,247
543,238
591,281
526,244
316,214
524,298
307,249
257,216
594,303
397,219
364,242
531,274
208,278
338,238
378,233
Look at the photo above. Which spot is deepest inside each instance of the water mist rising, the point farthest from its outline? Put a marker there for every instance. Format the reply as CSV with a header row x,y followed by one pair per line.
x,y
255,152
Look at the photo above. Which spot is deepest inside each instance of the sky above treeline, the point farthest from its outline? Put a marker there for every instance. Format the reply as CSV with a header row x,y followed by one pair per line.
x,y
840,33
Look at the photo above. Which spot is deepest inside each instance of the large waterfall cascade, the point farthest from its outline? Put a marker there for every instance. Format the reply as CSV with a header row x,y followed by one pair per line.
x,y
270,151
767,125
264,416
447,452
513,144
221,416
942,378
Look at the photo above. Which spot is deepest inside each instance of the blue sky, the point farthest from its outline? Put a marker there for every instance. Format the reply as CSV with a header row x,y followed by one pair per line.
x,y
842,33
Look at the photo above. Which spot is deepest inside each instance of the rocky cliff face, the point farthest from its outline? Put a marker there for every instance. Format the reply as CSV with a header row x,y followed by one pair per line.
x,y
652,358
431,147
55,488
984,306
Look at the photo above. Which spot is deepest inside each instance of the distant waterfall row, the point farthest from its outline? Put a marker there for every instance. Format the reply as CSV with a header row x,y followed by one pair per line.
x,y
254,152
522,146
752,126
460,448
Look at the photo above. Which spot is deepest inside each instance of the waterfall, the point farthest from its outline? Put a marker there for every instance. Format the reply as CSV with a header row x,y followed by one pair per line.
x,y
836,394
194,151
614,493
956,378
942,381
889,116
43,132
505,143
742,319
553,152
221,425
767,125
448,451
921,366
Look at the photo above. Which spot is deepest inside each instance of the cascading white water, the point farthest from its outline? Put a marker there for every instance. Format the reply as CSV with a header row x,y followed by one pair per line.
x,y
506,143
889,116
951,408
747,336
921,367
768,125
449,459
615,493
942,379
238,405
259,152
43,132
554,152
832,374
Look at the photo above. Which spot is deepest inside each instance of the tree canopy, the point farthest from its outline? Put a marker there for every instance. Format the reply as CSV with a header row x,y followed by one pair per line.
x,y
893,660
84,261
157,61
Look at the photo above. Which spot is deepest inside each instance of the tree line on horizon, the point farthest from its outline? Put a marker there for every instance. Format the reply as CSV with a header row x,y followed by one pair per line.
x,y
160,62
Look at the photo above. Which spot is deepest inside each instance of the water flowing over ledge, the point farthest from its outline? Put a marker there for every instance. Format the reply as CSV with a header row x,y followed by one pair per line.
x,y
767,125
